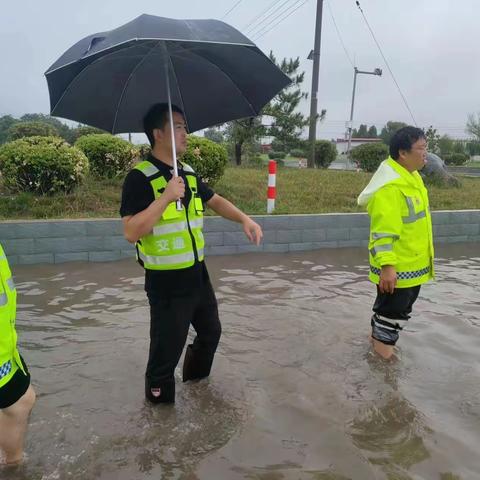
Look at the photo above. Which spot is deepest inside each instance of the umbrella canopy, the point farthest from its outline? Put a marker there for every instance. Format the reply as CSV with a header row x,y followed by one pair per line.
x,y
110,80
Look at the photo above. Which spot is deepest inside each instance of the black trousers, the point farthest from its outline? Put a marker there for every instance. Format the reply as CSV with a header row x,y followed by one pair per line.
x,y
170,320
395,307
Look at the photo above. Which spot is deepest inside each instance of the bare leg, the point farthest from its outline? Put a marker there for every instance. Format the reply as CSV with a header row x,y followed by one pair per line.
x,y
13,425
385,351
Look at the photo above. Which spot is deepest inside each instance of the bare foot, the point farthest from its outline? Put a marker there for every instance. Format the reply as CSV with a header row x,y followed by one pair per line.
x,y
156,392
385,351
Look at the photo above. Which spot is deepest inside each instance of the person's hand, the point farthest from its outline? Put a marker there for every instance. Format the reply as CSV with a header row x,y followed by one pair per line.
x,y
388,279
253,231
174,190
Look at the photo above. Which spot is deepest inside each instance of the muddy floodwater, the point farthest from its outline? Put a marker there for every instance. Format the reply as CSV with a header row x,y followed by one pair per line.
x,y
295,391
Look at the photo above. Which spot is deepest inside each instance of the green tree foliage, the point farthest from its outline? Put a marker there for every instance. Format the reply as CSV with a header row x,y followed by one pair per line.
x,y
325,153
6,122
389,129
243,135
214,134
32,129
42,165
207,158
369,155
433,139
288,123
473,125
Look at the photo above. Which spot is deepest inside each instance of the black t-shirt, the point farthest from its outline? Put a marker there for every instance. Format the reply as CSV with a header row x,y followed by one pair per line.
x,y
137,195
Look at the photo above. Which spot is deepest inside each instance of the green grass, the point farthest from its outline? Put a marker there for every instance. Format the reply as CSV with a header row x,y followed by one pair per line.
x,y
298,191
473,164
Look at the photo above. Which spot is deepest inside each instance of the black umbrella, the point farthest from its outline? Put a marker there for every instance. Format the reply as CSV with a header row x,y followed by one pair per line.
x,y
209,69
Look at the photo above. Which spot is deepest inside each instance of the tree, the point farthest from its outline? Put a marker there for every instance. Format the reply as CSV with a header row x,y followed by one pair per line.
x,y
389,129
445,145
433,139
288,124
372,132
6,122
473,125
243,134
365,132
31,129
214,134
63,130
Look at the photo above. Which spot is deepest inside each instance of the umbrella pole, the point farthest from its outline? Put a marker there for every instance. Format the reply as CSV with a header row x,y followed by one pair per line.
x,y
172,132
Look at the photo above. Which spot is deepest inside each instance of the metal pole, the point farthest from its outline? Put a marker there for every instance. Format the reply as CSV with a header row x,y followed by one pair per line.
x,y
172,131
351,111
312,134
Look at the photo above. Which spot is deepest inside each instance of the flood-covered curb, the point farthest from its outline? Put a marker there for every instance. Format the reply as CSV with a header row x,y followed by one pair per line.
x,y
101,240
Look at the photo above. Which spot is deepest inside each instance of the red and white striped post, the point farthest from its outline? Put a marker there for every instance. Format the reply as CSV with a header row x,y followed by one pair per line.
x,y
271,192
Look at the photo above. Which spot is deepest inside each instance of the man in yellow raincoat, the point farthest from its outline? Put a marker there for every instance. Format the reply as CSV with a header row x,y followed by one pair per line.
x,y
401,243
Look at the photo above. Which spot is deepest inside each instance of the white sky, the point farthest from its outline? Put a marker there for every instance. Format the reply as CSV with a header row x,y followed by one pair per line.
x,y
432,47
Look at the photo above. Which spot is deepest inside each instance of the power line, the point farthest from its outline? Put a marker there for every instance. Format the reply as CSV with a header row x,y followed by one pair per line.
x,y
386,62
232,9
259,25
251,23
339,35
281,20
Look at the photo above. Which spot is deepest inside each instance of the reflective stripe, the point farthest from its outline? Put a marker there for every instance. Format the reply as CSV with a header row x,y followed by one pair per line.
x,y
3,299
200,252
167,259
2,257
381,248
11,284
170,228
197,223
150,170
5,369
378,236
404,275
412,216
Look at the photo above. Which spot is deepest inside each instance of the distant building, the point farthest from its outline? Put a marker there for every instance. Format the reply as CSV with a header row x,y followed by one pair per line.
x,y
342,143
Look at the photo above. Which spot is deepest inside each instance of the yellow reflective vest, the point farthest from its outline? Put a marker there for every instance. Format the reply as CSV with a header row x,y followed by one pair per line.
x,y
177,237
9,357
400,224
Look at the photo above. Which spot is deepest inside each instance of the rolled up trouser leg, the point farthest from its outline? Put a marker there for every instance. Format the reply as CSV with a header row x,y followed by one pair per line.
x,y
197,363
385,330
167,391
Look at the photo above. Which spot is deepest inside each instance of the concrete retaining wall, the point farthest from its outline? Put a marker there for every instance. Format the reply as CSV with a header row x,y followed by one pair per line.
x,y
29,242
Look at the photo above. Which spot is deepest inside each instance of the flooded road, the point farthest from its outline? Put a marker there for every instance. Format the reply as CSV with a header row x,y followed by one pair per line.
x,y
295,391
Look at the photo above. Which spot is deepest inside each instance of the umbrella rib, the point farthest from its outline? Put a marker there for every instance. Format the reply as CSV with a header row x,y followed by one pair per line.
x,y
78,75
128,81
255,113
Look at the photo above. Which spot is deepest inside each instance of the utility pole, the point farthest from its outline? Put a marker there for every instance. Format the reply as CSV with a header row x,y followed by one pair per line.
x,y
315,55
377,71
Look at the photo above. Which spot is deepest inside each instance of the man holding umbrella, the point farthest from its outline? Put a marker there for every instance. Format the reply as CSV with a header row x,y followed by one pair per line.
x,y
170,247
214,74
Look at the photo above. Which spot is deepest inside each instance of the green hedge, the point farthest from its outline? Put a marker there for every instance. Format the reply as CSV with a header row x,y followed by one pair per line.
x,y
369,155
109,156
42,165
207,158
455,158
276,155
325,153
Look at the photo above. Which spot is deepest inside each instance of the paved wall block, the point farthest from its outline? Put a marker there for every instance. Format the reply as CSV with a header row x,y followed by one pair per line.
x,y
71,257
22,246
213,238
289,236
221,250
338,234
34,259
314,235
106,256
98,228
276,248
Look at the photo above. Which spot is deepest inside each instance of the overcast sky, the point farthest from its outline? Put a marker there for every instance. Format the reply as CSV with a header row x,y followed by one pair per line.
x,y
432,47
